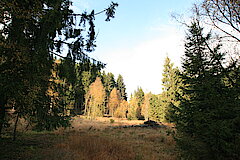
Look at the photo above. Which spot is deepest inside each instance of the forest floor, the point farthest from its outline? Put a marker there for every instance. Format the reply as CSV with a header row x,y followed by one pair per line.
x,y
98,139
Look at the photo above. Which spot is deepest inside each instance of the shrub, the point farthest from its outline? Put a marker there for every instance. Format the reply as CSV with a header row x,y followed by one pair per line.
x,y
112,121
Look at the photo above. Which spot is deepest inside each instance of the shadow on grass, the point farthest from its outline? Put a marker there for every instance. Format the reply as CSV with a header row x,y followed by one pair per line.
x,y
28,145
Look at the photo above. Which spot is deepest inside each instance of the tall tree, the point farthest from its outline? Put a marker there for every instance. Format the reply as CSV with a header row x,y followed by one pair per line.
x,y
139,94
208,111
121,111
133,108
86,74
145,111
68,79
94,105
31,32
157,108
114,101
26,39
135,104
171,83
121,87
109,82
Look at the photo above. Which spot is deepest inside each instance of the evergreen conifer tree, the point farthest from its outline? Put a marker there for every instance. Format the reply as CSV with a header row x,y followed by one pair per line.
x,y
139,94
171,83
157,108
121,87
32,32
207,111
110,82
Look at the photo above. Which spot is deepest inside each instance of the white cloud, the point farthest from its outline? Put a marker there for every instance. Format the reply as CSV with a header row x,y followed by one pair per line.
x,y
142,64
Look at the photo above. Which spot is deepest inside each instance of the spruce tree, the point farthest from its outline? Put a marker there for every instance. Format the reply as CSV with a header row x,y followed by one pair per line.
x,y
171,83
109,83
121,87
32,32
139,94
207,110
157,108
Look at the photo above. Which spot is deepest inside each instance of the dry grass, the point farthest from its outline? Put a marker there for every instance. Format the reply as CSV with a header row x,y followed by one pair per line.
x,y
100,123
95,140
150,144
90,147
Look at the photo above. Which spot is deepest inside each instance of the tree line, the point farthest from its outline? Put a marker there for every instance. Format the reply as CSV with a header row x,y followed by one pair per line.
x,y
107,97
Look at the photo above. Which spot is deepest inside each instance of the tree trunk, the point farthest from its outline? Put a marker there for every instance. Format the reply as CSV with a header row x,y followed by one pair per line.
x,y
2,114
15,127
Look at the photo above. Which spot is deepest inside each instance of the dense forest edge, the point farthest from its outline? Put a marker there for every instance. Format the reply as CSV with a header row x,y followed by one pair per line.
x,y
43,94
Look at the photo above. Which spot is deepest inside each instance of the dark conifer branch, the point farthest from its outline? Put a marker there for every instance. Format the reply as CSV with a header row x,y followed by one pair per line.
x,y
220,64
28,45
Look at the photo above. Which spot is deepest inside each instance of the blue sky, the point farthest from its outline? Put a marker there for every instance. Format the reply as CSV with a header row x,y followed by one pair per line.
x,y
136,42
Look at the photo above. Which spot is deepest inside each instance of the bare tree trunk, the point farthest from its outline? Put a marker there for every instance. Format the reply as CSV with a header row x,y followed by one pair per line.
x,y
2,114
15,127
86,105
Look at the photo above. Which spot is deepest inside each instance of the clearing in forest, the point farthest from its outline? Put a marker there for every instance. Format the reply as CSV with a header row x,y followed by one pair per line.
x,y
97,139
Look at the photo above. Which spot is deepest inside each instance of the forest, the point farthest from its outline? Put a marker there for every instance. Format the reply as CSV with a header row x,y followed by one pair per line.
x,y
42,91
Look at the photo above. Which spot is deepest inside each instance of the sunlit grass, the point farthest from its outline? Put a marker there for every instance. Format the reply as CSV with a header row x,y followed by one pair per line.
x,y
95,140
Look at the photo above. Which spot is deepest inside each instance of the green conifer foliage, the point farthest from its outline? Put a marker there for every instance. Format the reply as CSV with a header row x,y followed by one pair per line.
x,y
208,111
139,94
157,108
109,82
33,31
171,89
121,87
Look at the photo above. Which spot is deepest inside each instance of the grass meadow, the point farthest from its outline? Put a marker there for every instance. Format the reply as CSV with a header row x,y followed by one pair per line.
x,y
97,139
